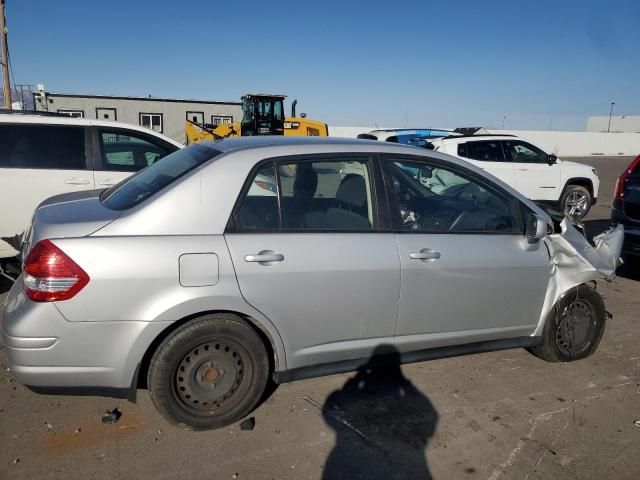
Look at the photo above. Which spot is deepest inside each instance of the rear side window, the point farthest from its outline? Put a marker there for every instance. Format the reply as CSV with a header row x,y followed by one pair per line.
x,y
485,151
323,195
129,152
133,190
42,146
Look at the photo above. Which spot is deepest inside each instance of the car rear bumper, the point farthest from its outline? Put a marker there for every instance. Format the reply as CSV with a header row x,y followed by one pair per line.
x,y
46,350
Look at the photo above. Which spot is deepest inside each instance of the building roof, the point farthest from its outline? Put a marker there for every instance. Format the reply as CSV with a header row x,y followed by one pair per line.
x,y
147,99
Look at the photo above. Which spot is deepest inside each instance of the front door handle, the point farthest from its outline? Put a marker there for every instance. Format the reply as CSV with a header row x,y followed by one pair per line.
x,y
265,257
523,169
425,254
107,182
76,181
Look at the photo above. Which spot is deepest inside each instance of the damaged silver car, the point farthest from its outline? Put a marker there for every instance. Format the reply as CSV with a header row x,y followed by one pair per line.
x,y
230,264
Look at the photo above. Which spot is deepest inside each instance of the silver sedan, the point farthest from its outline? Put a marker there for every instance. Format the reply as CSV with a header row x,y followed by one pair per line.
x,y
227,265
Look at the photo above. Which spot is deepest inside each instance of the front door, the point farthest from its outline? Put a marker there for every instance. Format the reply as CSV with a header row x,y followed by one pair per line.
x,y
536,178
317,267
465,276
490,156
121,153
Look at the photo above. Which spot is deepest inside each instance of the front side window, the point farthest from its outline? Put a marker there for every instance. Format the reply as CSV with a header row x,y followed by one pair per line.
x,y
42,146
129,152
326,195
523,152
152,121
485,151
431,198
137,188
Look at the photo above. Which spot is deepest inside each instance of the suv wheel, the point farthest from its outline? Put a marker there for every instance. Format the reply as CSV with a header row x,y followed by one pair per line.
x,y
209,373
574,327
576,201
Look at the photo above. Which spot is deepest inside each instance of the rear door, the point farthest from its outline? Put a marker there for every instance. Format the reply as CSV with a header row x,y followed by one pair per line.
x,y
535,177
120,153
319,267
36,162
465,275
490,156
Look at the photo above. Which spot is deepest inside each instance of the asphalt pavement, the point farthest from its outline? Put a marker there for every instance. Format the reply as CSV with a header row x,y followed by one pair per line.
x,y
502,415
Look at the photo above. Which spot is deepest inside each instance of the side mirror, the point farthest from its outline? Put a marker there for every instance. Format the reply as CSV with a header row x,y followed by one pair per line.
x,y
552,159
536,230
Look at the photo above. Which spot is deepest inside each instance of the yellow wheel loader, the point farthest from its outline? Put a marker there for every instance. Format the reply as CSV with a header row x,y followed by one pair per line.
x,y
262,114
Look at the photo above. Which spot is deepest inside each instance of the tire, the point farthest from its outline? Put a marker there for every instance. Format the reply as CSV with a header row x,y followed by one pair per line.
x,y
581,307
578,198
209,373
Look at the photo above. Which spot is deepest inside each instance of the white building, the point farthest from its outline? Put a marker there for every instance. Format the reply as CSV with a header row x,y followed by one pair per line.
x,y
619,123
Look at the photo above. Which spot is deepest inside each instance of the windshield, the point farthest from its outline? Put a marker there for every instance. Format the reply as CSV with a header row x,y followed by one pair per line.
x,y
149,181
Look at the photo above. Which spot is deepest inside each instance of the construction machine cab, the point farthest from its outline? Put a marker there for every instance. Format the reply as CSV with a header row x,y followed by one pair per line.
x,y
262,114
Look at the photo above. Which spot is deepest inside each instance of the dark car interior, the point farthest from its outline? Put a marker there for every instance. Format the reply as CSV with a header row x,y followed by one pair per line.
x,y
462,207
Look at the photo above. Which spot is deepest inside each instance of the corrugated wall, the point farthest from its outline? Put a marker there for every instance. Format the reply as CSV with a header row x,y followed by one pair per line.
x,y
129,110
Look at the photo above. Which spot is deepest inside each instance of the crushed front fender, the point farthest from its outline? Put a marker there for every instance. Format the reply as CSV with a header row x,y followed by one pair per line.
x,y
575,261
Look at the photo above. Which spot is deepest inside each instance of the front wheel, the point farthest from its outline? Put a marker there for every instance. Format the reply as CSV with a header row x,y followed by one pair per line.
x,y
576,201
209,373
574,327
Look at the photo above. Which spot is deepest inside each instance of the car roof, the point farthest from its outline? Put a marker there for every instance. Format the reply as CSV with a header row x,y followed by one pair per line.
x,y
44,118
464,138
238,143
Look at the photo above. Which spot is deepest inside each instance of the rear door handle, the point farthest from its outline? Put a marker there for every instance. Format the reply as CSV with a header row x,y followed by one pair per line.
x,y
523,169
264,257
107,183
425,254
76,181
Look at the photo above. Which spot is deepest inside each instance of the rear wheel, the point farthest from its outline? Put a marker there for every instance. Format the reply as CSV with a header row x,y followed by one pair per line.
x,y
209,373
574,327
576,201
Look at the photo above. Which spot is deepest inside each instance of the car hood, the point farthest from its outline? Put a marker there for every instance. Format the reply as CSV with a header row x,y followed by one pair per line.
x,y
76,214
570,164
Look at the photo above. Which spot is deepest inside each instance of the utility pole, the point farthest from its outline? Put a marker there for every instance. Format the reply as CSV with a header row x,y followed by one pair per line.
x,y
610,112
5,59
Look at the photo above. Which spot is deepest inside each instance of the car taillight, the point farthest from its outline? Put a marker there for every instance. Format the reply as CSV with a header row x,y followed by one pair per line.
x,y
618,195
49,275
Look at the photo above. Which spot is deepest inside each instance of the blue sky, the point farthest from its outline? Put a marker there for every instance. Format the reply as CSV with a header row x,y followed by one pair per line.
x,y
440,64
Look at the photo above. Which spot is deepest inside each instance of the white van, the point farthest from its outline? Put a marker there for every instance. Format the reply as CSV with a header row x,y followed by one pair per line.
x,y
45,154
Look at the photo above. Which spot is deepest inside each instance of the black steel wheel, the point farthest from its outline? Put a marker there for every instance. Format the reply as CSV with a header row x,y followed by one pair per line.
x,y
209,373
574,327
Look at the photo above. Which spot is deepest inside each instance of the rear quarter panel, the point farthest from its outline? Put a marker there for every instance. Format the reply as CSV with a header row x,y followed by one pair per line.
x,y
137,278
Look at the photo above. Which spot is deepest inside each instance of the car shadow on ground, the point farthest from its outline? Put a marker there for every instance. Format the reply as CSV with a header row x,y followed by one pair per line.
x,y
383,424
627,269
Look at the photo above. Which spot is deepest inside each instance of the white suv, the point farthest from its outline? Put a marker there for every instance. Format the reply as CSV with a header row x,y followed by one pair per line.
x,y
569,186
46,154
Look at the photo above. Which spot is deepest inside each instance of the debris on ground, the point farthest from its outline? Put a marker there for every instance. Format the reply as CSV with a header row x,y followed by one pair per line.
x,y
49,426
637,423
77,431
111,416
248,424
235,475
17,460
